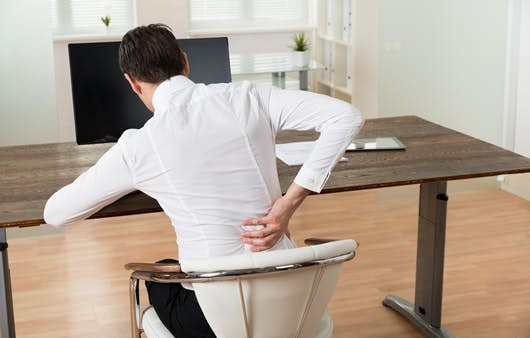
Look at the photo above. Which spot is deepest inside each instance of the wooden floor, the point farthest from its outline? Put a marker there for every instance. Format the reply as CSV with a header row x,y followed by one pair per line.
x,y
73,284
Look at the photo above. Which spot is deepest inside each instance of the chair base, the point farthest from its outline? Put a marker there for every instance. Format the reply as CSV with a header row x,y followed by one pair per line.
x,y
406,309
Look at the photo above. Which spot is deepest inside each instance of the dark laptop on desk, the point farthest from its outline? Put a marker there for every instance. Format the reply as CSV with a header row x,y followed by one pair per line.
x,y
105,105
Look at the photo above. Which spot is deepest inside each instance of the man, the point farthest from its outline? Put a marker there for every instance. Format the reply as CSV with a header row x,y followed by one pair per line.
x,y
208,157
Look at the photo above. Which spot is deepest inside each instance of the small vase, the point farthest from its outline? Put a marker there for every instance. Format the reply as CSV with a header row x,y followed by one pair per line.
x,y
300,59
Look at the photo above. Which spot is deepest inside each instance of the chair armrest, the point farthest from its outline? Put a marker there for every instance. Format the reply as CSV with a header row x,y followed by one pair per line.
x,y
154,267
315,241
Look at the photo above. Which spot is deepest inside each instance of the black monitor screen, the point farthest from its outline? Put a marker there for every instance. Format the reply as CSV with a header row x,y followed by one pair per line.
x,y
105,105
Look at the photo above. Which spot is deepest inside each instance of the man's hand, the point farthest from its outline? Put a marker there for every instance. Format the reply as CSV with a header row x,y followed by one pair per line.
x,y
276,223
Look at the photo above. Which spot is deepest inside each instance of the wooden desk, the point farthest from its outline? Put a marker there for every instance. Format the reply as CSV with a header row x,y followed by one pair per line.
x,y
434,155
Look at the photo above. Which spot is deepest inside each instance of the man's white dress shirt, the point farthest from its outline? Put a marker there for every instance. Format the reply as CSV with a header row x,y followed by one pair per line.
x,y
208,157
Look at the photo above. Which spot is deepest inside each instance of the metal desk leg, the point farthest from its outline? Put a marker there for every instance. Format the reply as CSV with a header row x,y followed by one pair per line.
x,y
278,79
7,320
426,313
303,80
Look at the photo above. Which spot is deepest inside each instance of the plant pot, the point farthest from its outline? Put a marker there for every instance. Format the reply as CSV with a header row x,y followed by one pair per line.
x,y
300,59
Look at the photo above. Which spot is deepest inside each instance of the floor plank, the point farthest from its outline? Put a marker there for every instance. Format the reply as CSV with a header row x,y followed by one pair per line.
x,y
72,284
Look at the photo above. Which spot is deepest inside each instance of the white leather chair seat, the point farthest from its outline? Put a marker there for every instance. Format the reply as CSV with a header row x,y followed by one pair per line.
x,y
154,328
265,259
288,298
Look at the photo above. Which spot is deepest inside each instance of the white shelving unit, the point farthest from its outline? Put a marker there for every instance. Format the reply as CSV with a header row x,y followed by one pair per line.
x,y
334,44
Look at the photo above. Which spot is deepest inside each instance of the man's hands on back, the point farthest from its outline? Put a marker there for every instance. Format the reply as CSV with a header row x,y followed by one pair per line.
x,y
276,222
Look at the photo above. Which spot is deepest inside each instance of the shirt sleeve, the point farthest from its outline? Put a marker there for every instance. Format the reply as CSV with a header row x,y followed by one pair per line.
x,y
337,121
105,182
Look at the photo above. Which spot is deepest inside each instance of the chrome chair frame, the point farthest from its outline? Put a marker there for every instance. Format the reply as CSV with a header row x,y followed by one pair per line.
x,y
156,275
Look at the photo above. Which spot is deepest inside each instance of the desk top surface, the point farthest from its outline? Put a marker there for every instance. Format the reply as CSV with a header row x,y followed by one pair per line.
x,y
31,173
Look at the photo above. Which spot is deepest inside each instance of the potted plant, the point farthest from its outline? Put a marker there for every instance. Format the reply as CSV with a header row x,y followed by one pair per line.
x,y
107,9
106,21
300,55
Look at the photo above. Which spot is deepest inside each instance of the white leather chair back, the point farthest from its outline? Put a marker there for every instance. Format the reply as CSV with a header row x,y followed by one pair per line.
x,y
286,303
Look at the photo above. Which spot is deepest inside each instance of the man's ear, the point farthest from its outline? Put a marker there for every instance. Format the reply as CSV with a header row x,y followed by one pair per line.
x,y
135,86
186,70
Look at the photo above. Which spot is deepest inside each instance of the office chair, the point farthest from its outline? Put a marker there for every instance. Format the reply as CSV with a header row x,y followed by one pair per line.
x,y
281,293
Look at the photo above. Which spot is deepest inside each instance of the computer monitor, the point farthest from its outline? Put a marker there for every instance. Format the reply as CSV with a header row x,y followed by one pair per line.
x,y
105,105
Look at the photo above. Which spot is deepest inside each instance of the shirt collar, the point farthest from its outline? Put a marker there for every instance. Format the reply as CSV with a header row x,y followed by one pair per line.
x,y
164,91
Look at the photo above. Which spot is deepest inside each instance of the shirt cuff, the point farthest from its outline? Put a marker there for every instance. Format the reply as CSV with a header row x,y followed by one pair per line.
x,y
311,180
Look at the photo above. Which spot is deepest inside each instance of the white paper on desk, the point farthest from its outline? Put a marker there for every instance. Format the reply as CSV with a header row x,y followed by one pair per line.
x,y
296,153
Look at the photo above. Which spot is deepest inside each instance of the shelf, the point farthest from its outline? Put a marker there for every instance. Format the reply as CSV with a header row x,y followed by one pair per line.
x,y
96,37
342,89
334,40
326,83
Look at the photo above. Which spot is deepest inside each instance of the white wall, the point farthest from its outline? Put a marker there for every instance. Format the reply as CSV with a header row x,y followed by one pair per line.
x,y
365,39
27,91
522,117
517,130
444,61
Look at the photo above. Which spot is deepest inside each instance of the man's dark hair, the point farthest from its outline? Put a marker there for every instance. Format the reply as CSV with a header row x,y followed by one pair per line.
x,y
150,53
